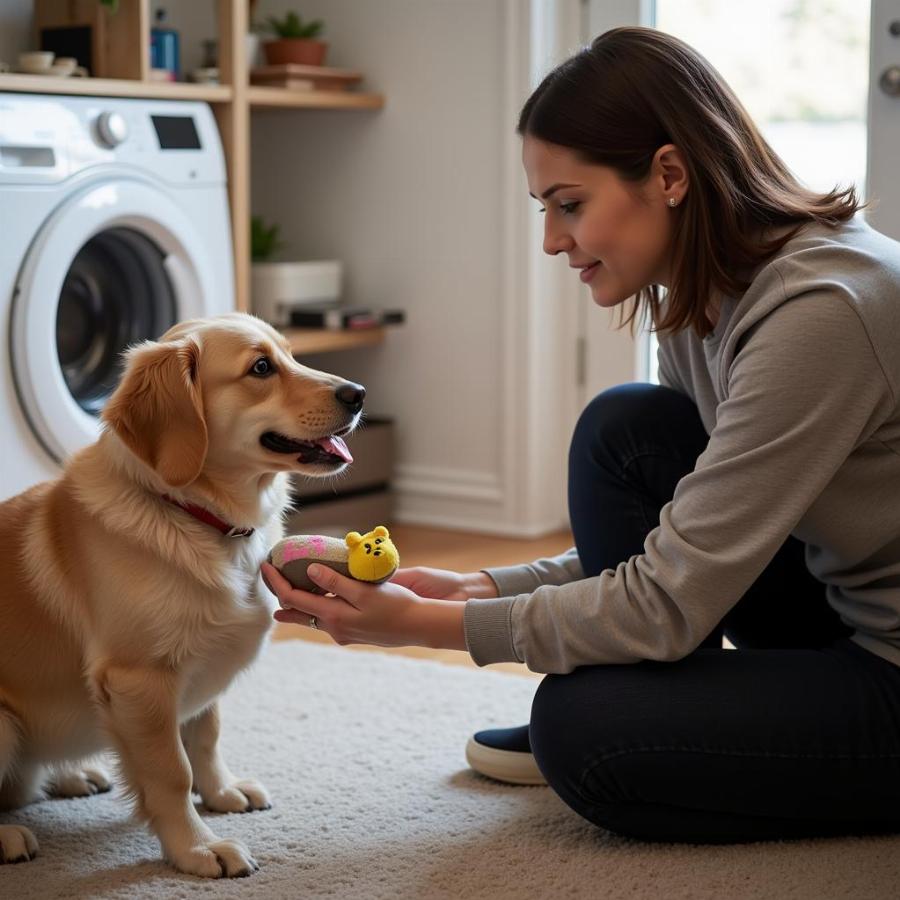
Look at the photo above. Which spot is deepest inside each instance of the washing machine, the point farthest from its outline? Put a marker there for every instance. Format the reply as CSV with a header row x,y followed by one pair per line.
x,y
114,225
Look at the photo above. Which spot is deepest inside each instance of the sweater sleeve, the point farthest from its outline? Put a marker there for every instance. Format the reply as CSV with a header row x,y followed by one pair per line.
x,y
803,391
525,578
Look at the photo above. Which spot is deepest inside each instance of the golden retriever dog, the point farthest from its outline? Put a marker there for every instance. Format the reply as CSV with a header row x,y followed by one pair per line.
x,y
130,594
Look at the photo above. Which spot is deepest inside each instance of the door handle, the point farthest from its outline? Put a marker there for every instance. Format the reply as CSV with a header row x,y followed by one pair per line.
x,y
890,81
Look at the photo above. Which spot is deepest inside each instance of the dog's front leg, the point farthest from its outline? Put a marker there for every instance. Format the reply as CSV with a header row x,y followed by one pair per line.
x,y
218,788
140,710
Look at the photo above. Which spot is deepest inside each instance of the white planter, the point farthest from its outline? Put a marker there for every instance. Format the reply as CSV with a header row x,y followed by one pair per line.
x,y
279,287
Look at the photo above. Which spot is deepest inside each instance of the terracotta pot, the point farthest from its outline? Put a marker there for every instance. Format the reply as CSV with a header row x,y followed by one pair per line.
x,y
304,51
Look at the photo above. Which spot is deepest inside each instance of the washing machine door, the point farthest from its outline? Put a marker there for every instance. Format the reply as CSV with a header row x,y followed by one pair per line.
x,y
116,264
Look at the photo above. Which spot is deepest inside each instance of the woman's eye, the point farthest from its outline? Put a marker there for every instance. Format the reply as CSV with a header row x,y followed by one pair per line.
x,y
262,367
565,208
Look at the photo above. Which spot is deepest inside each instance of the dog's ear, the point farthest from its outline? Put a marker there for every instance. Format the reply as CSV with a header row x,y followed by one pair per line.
x,y
157,409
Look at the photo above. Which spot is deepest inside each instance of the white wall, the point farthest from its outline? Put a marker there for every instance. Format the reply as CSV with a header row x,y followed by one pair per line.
x,y
412,199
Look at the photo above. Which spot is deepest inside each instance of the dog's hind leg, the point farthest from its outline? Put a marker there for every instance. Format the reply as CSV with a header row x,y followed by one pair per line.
x,y
17,785
213,781
77,779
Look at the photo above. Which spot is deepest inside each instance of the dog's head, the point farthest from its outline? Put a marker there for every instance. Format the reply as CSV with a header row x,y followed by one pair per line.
x,y
225,393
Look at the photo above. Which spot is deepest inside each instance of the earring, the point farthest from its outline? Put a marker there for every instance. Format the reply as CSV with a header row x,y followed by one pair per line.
x,y
673,201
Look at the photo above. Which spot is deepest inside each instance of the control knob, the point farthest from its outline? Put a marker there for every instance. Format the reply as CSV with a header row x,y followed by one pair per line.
x,y
112,129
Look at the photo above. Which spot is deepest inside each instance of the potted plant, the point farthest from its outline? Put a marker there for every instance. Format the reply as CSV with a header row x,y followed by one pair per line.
x,y
296,41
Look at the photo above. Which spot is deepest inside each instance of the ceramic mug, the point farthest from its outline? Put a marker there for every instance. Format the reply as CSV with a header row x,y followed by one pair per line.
x,y
36,61
64,65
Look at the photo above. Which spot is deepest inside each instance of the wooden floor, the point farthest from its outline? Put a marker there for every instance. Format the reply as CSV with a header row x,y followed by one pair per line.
x,y
461,552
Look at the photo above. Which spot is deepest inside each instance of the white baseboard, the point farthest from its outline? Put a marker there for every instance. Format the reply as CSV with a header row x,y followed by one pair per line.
x,y
459,499
445,483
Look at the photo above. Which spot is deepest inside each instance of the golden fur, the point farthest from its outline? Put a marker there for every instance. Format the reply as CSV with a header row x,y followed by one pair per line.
x,y
122,617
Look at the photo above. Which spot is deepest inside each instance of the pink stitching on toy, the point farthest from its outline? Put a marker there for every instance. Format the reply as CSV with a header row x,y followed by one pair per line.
x,y
315,543
295,551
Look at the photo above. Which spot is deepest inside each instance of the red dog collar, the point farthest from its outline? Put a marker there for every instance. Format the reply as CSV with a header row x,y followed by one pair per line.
x,y
204,515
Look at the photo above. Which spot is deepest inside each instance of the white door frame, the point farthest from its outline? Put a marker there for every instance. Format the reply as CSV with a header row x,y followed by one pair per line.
x,y
543,305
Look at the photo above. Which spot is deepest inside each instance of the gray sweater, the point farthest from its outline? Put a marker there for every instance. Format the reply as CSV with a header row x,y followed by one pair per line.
x,y
797,387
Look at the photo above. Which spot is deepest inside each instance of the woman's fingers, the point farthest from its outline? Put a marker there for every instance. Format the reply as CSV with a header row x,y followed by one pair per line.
x,y
348,589
274,580
292,598
296,617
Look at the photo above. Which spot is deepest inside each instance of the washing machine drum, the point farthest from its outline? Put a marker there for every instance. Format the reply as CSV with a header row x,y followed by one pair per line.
x,y
118,264
116,293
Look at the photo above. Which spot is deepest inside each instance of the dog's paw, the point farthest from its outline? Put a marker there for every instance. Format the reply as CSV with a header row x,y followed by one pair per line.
x,y
240,796
77,782
17,844
216,859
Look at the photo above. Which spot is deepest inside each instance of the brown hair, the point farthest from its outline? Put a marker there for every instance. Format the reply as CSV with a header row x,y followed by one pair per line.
x,y
617,101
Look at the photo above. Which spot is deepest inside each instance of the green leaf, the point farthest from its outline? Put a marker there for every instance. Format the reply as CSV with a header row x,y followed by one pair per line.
x,y
264,241
292,26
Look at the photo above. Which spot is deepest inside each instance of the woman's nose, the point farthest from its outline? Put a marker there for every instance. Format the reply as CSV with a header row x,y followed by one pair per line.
x,y
555,241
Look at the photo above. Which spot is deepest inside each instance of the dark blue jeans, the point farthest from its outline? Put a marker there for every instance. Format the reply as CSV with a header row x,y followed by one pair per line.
x,y
796,733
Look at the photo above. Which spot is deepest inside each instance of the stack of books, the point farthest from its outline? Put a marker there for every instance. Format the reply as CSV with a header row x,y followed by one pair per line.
x,y
345,318
304,78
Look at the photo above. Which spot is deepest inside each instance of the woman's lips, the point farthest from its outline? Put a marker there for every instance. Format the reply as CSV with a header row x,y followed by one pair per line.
x,y
588,273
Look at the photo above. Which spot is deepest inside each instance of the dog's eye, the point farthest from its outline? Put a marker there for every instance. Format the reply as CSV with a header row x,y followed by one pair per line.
x,y
262,367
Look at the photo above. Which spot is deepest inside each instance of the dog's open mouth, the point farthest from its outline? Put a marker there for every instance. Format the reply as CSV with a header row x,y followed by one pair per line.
x,y
329,451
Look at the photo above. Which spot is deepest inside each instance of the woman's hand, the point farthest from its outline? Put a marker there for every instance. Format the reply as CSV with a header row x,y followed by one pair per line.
x,y
354,612
445,585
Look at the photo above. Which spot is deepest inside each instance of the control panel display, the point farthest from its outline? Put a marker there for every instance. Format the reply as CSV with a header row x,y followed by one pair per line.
x,y
176,132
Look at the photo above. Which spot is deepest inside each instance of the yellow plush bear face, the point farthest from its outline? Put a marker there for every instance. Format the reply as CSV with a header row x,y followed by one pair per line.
x,y
373,556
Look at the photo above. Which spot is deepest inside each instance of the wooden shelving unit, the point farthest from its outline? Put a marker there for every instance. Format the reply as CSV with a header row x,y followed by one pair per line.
x,y
232,102
320,340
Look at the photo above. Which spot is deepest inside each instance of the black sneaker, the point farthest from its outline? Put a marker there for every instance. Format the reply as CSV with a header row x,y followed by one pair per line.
x,y
504,754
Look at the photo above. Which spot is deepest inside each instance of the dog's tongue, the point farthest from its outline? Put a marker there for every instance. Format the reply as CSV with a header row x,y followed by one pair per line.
x,y
335,446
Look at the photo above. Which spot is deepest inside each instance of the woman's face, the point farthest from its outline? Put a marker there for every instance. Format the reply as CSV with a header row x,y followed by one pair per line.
x,y
619,234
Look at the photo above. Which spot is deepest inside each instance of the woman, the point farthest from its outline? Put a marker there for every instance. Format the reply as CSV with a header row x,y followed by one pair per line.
x,y
755,492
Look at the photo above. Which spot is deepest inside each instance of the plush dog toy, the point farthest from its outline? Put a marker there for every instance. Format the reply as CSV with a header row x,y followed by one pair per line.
x,y
368,557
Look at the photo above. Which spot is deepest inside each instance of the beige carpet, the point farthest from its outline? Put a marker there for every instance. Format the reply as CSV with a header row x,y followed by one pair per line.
x,y
363,753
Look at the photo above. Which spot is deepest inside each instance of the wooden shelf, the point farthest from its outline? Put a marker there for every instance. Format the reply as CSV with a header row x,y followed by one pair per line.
x,y
292,99
115,87
321,340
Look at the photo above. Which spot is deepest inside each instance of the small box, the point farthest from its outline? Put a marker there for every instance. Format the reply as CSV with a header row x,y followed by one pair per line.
x,y
361,512
279,287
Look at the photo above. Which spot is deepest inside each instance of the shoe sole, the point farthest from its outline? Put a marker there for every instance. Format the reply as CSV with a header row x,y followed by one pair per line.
x,y
507,766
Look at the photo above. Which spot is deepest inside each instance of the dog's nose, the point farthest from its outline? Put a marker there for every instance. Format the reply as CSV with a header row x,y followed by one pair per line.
x,y
351,395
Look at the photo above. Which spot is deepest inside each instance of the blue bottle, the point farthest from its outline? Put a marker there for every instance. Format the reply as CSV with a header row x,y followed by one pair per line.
x,y
164,46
